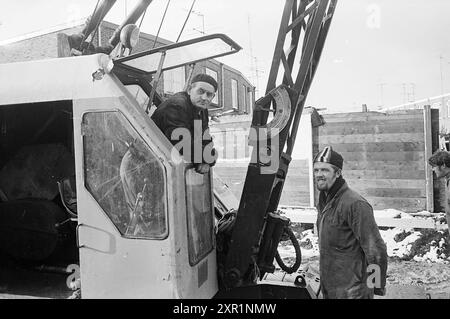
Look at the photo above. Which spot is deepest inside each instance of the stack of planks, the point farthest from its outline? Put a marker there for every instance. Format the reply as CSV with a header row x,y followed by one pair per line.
x,y
385,155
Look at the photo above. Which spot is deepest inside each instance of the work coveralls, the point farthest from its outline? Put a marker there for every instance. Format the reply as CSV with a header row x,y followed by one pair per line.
x,y
349,241
447,201
178,112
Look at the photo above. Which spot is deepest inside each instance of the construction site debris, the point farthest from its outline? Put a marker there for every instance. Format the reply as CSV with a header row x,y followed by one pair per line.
x,y
404,244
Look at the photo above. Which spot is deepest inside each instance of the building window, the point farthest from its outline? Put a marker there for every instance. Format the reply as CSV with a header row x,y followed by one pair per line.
x,y
234,94
448,107
174,80
244,99
250,101
213,74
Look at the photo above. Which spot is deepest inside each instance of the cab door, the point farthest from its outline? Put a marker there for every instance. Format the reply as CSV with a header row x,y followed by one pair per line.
x,y
122,196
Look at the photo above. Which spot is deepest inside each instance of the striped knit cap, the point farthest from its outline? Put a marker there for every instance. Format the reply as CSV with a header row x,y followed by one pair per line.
x,y
329,156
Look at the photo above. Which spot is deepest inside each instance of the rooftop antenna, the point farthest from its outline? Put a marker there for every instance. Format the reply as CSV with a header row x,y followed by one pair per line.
x,y
253,59
199,14
160,25
441,58
185,21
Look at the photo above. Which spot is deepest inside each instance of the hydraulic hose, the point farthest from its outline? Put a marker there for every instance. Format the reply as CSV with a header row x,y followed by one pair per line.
x,y
298,254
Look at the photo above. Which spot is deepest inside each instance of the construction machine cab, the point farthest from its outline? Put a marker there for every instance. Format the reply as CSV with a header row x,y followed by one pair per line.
x,y
144,220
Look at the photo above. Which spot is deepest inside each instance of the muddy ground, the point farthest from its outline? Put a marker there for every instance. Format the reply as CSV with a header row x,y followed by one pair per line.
x,y
408,279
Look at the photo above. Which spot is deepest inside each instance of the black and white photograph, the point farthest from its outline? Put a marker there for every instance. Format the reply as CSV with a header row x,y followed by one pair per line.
x,y
228,157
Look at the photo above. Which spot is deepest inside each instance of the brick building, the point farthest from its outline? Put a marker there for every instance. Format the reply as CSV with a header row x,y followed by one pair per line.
x,y
235,92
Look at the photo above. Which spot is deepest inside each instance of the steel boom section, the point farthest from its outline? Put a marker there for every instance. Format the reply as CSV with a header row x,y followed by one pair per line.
x,y
262,187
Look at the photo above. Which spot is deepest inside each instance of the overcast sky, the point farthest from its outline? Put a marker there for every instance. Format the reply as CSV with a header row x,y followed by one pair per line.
x,y
378,52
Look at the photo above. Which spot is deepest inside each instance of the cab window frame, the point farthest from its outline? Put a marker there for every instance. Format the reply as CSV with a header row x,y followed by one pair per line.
x,y
121,115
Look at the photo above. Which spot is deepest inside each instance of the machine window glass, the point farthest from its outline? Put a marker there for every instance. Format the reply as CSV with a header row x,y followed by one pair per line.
x,y
124,176
139,94
200,215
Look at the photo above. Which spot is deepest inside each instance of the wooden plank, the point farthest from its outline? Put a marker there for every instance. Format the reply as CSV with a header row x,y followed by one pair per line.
x,y
378,147
379,156
385,183
409,205
382,165
407,223
372,114
393,173
435,129
312,189
366,138
395,193
373,127
428,153
352,117
301,199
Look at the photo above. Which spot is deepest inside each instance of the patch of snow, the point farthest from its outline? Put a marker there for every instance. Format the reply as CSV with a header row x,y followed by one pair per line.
x,y
423,213
286,251
309,241
308,245
406,215
432,256
401,248
388,213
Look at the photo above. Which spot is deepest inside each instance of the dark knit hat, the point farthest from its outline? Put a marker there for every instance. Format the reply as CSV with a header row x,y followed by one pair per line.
x,y
205,78
329,156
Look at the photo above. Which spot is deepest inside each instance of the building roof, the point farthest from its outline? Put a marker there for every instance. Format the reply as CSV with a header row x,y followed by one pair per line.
x,y
80,23
54,79
70,25
53,29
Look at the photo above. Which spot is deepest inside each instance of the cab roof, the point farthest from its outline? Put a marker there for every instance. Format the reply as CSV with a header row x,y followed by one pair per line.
x,y
55,80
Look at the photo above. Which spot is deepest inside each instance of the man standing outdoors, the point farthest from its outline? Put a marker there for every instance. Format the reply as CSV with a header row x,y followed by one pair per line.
x,y
440,164
189,111
353,257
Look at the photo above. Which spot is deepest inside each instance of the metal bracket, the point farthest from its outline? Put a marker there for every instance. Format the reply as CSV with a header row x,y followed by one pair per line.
x,y
282,102
77,236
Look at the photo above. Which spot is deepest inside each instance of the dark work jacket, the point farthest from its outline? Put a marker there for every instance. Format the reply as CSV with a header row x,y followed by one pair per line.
x,y
447,201
349,241
178,112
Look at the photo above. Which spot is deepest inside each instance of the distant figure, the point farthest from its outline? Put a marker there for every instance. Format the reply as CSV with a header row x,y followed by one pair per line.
x,y
349,240
440,164
182,110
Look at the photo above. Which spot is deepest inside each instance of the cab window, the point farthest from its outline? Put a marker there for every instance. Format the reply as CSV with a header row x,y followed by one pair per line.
x,y
124,176
200,215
